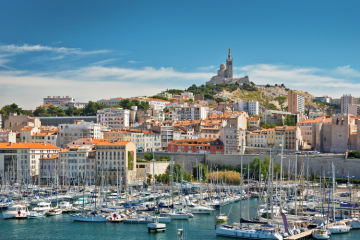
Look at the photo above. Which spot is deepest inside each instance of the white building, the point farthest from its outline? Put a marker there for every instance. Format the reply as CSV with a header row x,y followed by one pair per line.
x,y
253,107
111,101
22,159
189,95
193,112
257,139
79,129
158,104
7,136
116,118
57,100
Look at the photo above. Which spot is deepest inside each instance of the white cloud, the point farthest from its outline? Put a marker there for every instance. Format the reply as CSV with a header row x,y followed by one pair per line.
x,y
92,83
313,80
347,71
16,49
208,68
132,62
105,61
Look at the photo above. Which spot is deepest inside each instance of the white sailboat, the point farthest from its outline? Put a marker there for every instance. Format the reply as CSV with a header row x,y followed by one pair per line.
x,y
321,234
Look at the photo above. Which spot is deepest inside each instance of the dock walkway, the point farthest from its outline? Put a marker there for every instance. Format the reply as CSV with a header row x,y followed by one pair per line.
x,y
307,234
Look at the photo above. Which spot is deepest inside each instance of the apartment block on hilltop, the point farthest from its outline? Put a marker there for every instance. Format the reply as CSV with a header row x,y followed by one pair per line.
x,y
296,102
192,112
57,100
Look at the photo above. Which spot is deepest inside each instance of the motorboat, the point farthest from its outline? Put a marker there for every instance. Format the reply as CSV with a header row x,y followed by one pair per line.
x,y
81,201
339,227
222,218
65,205
355,223
42,206
54,212
16,211
321,233
34,214
138,219
115,217
92,217
202,210
179,215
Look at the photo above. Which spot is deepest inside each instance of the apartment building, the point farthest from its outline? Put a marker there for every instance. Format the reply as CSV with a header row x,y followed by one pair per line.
x,y
346,100
306,128
166,131
193,112
232,136
80,129
209,146
354,109
257,139
116,159
22,159
251,107
144,141
157,104
111,101
27,132
296,102
115,118
17,122
293,138
57,100
45,137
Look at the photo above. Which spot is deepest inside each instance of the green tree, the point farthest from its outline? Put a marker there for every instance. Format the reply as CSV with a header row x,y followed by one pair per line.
x,y
281,122
247,124
219,100
203,172
255,165
130,160
91,108
40,111
272,125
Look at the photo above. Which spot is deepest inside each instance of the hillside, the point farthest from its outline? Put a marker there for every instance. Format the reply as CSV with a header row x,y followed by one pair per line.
x,y
269,97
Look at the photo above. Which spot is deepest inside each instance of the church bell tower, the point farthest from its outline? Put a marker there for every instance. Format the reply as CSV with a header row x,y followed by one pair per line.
x,y
229,65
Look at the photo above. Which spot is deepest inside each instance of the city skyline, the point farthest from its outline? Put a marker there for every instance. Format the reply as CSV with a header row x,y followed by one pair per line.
x,y
92,51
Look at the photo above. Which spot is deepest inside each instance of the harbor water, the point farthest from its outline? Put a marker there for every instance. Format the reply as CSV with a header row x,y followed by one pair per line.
x,y
63,227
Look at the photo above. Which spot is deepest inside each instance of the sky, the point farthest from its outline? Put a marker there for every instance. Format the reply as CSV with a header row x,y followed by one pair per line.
x,y
91,50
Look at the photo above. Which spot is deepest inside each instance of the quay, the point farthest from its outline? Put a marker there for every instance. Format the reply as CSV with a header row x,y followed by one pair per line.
x,y
307,234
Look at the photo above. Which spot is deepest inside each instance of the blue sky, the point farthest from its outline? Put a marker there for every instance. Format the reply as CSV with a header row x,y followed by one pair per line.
x,y
92,50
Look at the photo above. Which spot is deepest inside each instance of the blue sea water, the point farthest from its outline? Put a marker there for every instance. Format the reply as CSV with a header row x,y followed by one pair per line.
x,y
63,227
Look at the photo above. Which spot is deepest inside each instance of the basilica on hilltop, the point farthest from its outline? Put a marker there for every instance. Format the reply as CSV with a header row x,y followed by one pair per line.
x,y
225,74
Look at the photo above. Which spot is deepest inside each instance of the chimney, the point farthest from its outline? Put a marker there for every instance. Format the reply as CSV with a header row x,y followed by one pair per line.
x,y
10,143
44,144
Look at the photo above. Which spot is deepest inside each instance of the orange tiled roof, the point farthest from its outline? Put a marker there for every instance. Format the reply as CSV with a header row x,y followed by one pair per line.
x,y
114,143
254,119
27,128
27,146
51,157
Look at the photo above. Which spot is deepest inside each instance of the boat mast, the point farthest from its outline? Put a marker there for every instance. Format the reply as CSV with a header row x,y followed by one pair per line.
x,y
281,167
241,175
333,173
301,173
248,201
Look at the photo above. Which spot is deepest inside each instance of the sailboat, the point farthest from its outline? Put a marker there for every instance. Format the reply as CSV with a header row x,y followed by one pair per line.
x,y
93,216
238,231
321,233
156,225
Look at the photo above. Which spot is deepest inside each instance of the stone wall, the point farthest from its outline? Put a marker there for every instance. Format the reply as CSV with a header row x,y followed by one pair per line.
x,y
316,162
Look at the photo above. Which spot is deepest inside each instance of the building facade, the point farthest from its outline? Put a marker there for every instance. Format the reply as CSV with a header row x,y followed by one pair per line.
x,y
115,118
296,102
346,100
57,100
80,129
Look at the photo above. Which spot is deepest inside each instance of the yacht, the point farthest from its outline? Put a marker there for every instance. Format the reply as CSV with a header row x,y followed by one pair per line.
x,y
339,227
263,232
321,234
179,215
355,223
92,217
34,214
64,205
81,201
222,218
202,210
138,219
16,211
42,206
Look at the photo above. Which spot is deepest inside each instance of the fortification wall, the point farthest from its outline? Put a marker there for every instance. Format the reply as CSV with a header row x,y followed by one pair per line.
x,y
317,163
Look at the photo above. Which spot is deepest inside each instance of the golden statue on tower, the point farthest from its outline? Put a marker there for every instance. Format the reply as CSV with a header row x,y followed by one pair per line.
x,y
229,50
